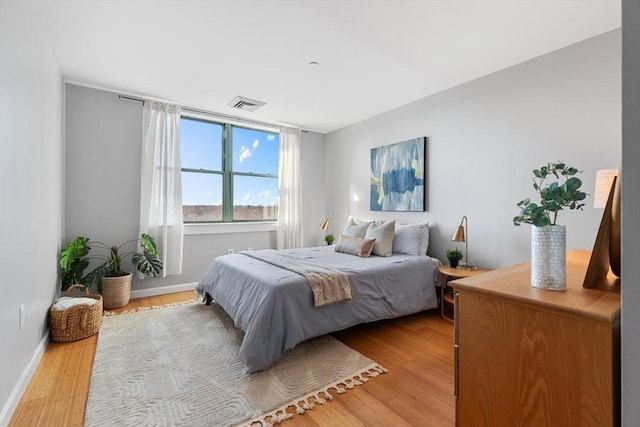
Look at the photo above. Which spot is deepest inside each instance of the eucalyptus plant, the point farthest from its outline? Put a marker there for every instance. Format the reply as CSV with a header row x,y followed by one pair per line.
x,y
75,258
554,196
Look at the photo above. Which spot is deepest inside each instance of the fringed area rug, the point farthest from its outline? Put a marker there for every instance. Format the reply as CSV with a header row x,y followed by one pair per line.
x,y
179,365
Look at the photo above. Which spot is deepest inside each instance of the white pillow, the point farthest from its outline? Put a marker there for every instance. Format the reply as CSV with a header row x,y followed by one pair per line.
x,y
407,239
422,229
355,230
355,246
424,238
359,221
383,234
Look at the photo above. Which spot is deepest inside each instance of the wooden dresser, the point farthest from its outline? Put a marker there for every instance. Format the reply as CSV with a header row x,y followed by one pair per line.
x,y
531,357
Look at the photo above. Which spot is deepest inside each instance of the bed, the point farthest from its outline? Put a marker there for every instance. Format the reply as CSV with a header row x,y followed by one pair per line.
x,y
275,306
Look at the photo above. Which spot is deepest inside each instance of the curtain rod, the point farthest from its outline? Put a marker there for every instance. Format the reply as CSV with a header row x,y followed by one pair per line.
x,y
218,115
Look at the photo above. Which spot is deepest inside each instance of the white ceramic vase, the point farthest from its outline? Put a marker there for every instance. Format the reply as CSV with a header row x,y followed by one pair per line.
x,y
548,257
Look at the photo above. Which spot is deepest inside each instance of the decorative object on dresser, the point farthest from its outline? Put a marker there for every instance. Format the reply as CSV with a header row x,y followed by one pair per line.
x,y
329,238
548,257
606,249
112,282
454,256
523,357
548,240
398,176
459,236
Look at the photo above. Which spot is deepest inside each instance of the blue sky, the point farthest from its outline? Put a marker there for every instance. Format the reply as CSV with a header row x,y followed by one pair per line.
x,y
253,151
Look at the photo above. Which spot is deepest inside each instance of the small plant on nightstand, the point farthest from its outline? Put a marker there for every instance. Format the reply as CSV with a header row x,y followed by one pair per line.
x,y
329,239
454,256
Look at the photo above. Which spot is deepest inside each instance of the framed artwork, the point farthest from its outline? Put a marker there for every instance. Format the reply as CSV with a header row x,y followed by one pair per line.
x,y
398,176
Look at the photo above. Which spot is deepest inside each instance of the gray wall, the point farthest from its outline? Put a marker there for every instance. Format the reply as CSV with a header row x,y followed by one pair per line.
x,y
312,165
630,210
31,195
103,140
485,137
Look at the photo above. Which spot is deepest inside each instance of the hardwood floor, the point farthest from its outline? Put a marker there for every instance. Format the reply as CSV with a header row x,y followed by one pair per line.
x,y
417,391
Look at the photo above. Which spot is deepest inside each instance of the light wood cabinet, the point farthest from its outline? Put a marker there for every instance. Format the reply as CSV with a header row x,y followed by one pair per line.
x,y
531,357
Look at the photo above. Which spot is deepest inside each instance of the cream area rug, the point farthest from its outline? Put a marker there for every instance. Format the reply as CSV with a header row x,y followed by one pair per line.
x,y
179,366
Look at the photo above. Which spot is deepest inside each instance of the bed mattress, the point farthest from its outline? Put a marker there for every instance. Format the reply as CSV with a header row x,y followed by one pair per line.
x,y
274,306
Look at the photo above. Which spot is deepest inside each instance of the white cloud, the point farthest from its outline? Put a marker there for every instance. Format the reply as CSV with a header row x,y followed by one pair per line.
x,y
256,143
245,153
271,137
247,197
268,198
266,194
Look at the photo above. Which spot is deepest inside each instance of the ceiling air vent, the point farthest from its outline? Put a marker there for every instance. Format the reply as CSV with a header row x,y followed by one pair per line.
x,y
246,104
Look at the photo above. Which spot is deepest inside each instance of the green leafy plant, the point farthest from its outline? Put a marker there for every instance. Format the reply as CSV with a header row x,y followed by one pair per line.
x,y
329,239
75,258
554,196
454,254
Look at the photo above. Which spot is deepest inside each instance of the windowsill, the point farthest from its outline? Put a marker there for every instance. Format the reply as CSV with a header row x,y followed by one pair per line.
x,y
229,227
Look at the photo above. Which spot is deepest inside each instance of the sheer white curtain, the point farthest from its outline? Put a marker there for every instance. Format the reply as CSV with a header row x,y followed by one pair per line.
x,y
161,190
289,234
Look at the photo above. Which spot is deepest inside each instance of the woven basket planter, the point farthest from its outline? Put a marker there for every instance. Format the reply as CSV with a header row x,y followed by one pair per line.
x,y
116,291
76,322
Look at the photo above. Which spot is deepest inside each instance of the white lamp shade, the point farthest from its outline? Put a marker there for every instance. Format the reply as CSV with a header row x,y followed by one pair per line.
x,y
604,179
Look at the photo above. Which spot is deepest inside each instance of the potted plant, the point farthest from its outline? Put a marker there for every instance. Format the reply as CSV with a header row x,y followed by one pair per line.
x,y
548,240
329,239
454,256
113,283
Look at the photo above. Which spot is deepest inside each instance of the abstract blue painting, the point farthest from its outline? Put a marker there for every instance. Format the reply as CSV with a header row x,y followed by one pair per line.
x,y
398,176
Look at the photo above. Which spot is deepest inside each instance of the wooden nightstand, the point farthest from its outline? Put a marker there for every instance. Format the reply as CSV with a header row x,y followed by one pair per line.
x,y
446,294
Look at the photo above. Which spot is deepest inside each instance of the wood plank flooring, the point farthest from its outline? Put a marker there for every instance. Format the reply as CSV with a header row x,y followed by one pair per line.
x,y
417,391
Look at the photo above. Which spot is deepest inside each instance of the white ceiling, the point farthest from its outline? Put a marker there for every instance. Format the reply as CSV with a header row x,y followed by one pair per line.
x,y
374,55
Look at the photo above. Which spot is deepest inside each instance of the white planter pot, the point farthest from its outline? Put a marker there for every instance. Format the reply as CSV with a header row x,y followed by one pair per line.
x,y
548,257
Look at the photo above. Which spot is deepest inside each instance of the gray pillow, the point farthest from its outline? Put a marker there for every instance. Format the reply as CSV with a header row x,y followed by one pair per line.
x,y
408,239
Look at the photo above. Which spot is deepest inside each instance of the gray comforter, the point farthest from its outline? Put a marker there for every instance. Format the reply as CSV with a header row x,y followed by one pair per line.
x,y
274,306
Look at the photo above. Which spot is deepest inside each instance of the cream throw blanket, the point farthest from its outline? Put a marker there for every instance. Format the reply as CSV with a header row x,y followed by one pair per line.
x,y
328,284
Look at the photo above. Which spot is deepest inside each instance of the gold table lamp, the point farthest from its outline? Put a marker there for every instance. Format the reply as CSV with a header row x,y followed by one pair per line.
x,y
459,236
325,225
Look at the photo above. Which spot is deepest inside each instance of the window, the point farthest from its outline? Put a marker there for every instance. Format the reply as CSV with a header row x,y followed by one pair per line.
x,y
229,173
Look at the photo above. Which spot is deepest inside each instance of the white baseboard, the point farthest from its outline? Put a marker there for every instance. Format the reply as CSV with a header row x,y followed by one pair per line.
x,y
21,386
151,292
